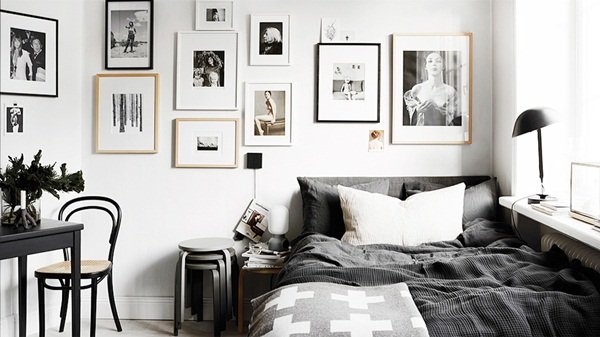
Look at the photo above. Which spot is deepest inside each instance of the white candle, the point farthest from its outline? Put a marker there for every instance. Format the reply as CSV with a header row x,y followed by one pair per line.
x,y
23,199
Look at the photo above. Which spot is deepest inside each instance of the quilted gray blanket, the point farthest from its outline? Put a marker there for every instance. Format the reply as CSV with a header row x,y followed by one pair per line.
x,y
485,283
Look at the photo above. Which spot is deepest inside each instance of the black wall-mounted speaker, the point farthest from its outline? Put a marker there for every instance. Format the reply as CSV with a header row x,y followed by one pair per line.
x,y
253,160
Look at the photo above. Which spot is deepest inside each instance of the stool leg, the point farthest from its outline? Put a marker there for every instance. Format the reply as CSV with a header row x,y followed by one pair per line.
x,y
223,293
197,293
216,304
227,259
182,292
177,294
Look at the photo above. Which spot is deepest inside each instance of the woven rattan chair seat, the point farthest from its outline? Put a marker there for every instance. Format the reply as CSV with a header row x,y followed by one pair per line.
x,y
87,267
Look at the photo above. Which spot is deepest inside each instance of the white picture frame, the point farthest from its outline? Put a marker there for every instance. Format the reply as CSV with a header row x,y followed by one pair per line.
x,y
195,71
206,142
348,82
214,15
270,40
259,110
127,113
414,120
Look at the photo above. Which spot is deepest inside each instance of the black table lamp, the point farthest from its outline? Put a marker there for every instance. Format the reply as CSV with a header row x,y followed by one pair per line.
x,y
534,120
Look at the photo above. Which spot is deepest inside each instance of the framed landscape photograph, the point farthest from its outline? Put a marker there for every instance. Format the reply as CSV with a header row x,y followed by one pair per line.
x,y
270,40
348,80
129,34
29,60
267,115
432,89
214,15
206,71
206,142
127,113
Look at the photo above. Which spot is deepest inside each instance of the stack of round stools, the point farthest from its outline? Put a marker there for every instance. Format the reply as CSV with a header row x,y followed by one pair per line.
x,y
215,255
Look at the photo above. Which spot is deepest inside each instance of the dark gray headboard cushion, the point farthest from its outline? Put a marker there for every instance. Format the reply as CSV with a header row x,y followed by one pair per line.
x,y
326,217
321,204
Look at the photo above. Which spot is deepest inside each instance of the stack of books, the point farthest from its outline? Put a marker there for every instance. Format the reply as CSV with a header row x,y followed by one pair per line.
x,y
550,207
259,256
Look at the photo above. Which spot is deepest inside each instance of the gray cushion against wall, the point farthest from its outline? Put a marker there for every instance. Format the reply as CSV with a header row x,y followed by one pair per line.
x,y
321,205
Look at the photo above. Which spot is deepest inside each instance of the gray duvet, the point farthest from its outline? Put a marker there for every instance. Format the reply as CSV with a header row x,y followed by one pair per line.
x,y
485,283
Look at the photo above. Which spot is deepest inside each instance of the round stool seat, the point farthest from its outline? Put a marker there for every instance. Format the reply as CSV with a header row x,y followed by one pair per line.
x,y
200,245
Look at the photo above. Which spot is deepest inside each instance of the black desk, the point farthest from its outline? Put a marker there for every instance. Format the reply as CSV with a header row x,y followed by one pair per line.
x,y
49,235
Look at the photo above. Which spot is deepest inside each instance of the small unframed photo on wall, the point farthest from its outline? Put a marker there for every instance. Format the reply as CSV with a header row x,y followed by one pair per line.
x,y
14,117
375,140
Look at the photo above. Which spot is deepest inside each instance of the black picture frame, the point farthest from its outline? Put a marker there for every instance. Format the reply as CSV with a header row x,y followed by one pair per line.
x,y
348,82
114,58
39,75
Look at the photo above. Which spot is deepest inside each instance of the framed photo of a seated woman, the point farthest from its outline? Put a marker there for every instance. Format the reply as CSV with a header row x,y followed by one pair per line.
x,y
431,88
29,59
267,115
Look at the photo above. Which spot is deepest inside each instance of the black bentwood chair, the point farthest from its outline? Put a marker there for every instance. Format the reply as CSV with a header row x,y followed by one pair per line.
x,y
93,270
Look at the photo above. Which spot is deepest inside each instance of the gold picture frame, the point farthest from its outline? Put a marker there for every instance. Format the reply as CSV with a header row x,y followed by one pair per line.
x,y
207,142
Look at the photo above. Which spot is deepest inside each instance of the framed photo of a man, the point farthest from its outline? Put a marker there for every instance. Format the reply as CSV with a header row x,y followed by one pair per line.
x,y
29,60
214,15
267,115
348,81
270,40
432,89
206,71
129,34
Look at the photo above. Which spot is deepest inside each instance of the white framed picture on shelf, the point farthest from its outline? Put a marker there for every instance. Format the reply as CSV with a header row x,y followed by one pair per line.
x,y
206,71
206,142
270,40
214,15
268,115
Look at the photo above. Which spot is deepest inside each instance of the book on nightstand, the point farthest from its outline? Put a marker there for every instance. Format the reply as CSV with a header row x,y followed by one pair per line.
x,y
259,256
549,209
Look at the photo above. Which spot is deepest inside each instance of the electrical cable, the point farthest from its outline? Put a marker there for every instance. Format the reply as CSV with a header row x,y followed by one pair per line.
x,y
512,216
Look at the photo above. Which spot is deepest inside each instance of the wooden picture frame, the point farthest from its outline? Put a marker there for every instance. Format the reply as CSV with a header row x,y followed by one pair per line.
x,y
29,60
348,82
129,34
421,115
207,142
127,113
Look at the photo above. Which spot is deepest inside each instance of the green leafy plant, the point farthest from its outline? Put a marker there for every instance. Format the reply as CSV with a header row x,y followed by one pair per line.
x,y
35,179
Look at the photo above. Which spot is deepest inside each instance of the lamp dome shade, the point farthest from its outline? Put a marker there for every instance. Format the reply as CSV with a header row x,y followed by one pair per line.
x,y
533,119
279,220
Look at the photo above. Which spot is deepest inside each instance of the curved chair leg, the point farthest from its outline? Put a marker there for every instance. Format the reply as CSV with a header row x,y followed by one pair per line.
x,y
64,304
216,304
113,306
93,311
41,304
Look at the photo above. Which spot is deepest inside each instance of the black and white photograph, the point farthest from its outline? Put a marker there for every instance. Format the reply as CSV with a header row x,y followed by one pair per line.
x,y
431,89
214,15
269,39
206,70
209,70
14,119
27,56
349,81
129,34
28,63
269,113
375,140
207,143
268,116
127,113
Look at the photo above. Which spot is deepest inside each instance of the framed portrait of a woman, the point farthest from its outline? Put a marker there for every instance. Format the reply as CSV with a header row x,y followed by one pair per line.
x,y
270,40
431,88
268,114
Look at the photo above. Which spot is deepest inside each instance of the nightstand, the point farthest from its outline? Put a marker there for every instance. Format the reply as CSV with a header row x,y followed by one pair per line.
x,y
243,271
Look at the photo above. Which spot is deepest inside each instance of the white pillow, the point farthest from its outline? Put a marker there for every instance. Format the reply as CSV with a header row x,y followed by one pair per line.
x,y
424,217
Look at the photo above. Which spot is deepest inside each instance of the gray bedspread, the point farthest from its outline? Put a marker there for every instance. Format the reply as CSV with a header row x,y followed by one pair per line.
x,y
485,283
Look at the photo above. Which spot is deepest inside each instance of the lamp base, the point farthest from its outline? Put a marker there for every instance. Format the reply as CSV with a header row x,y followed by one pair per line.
x,y
539,198
278,243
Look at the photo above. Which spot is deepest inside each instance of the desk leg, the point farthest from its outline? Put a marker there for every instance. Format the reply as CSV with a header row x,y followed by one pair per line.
x,y
240,315
76,282
22,295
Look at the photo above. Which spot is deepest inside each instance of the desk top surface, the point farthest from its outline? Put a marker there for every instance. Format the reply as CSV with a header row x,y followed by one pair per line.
x,y
47,227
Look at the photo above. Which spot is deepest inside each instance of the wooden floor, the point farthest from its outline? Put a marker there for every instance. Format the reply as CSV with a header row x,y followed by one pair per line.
x,y
139,328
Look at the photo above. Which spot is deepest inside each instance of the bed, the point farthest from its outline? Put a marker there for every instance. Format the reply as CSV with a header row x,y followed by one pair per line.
x,y
482,282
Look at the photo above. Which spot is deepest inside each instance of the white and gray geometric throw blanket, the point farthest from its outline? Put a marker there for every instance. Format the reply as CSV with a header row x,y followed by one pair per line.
x,y
328,309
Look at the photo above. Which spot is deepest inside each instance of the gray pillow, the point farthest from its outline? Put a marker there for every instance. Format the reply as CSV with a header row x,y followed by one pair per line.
x,y
481,201
321,205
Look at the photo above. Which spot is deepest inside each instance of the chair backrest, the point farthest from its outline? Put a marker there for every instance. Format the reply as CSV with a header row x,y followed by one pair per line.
x,y
99,203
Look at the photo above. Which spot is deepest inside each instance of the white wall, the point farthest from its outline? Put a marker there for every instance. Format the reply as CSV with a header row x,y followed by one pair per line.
x,y
163,205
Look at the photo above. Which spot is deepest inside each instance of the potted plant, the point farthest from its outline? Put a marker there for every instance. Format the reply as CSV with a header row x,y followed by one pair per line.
x,y
33,180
